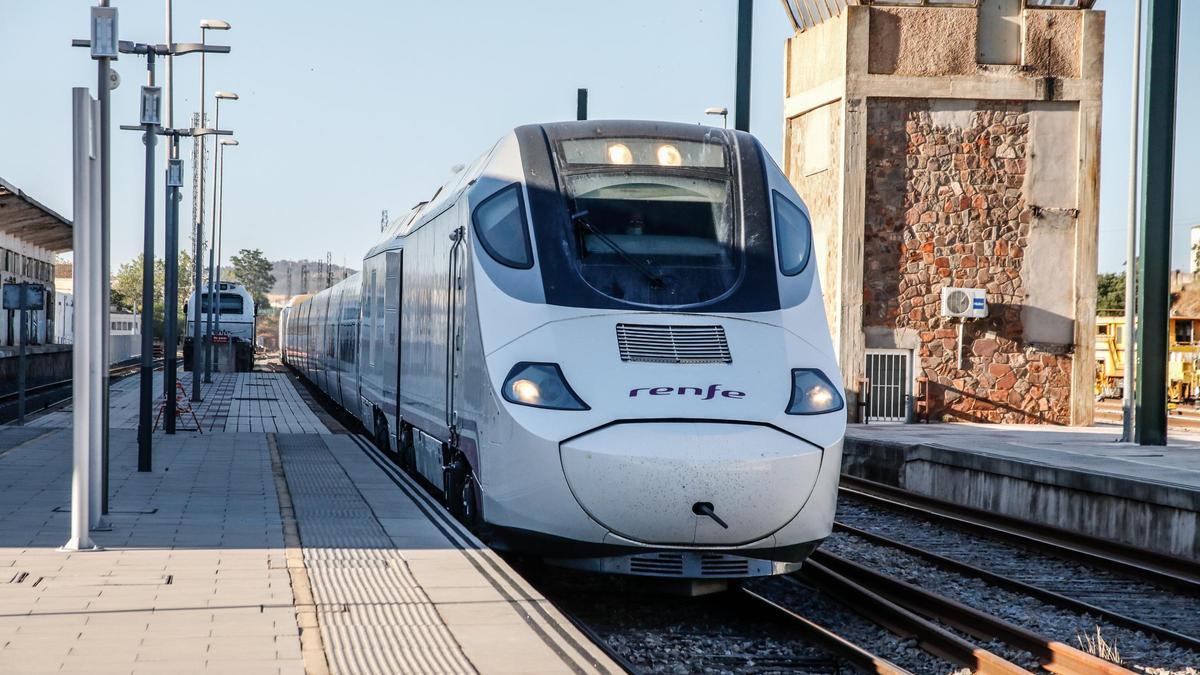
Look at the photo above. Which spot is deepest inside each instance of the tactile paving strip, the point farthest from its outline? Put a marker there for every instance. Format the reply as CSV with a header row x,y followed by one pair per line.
x,y
373,615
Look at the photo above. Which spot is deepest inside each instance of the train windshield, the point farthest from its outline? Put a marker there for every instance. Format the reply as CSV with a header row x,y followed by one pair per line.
x,y
229,303
652,220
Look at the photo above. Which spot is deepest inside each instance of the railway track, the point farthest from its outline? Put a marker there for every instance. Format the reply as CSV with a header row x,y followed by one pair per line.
x,y
909,610
1159,569
1135,594
50,394
646,630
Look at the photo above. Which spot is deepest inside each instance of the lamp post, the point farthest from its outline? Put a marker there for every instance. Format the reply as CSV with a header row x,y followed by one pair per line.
x,y
220,213
151,121
197,352
719,110
214,301
171,301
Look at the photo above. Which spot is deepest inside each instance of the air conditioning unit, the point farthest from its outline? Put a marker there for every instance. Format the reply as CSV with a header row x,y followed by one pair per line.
x,y
964,303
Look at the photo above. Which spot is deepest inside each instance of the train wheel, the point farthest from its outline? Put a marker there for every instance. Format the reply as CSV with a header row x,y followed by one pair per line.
x,y
469,501
381,433
461,494
407,451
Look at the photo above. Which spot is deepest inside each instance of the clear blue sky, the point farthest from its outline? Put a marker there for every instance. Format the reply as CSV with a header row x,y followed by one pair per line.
x,y
351,108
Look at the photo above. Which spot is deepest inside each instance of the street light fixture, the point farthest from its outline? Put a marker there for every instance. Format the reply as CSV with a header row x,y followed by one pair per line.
x,y
198,353
214,290
104,33
719,110
151,105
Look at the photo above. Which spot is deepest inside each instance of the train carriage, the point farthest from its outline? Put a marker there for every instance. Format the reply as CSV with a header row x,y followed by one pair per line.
x,y
603,343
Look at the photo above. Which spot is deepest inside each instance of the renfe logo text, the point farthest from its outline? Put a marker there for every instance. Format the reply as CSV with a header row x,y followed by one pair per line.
x,y
704,394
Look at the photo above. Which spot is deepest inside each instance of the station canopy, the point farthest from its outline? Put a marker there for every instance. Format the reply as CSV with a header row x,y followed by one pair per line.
x,y
808,13
23,217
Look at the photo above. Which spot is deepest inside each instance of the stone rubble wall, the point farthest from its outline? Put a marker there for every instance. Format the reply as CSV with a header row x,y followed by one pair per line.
x,y
945,207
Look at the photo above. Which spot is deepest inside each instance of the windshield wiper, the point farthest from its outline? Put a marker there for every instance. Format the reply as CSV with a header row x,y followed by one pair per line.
x,y
581,218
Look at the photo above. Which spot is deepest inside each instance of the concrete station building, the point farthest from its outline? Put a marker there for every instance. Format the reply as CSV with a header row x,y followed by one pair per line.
x,y
953,144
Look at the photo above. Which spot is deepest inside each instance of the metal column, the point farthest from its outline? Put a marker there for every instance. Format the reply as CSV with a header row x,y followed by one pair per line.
x,y
146,373
81,472
103,91
1128,393
1158,158
745,32
171,295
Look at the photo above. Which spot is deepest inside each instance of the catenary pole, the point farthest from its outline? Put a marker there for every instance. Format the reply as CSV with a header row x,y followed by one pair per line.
x,y
198,255
97,363
1158,158
214,303
103,90
171,297
1129,339
146,372
745,32
581,104
219,186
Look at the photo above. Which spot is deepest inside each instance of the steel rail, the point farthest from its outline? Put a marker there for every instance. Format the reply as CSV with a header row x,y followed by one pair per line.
x,y
1055,657
119,371
861,659
929,636
1024,588
1158,568
588,632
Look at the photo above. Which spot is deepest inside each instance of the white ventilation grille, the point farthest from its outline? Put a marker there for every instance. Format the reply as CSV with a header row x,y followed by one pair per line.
x,y
673,344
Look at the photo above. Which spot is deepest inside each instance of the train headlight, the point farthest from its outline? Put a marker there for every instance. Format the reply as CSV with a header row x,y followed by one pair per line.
x,y
813,393
540,385
668,155
619,153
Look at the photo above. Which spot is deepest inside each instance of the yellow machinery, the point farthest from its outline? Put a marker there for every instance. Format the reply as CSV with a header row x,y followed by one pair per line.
x,y
1183,368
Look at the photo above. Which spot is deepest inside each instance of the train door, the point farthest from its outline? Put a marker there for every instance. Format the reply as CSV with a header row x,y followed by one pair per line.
x,y
394,269
454,335
396,263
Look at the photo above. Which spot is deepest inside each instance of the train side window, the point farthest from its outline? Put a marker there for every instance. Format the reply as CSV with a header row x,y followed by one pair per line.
x,y
793,235
500,225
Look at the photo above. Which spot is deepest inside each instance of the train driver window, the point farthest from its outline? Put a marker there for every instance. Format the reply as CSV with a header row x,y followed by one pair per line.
x,y
500,225
793,235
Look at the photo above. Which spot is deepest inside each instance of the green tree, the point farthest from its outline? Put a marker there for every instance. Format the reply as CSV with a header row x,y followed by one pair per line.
x,y
1110,291
126,287
253,271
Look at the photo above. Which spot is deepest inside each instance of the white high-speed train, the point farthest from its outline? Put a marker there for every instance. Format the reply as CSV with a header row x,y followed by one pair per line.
x,y
602,343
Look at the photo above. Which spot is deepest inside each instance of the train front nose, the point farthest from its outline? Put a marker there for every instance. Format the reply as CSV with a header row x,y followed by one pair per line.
x,y
687,483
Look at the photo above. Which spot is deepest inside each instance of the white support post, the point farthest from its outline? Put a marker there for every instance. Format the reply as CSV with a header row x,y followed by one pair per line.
x,y
81,479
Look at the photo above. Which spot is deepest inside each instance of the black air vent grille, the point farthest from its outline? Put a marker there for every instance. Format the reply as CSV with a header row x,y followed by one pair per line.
x,y
660,564
713,565
673,344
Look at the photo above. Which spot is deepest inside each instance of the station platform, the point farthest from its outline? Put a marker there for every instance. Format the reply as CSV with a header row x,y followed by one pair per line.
x,y
267,542
1079,479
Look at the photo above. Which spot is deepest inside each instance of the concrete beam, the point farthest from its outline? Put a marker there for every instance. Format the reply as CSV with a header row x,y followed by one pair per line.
x,y
979,87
